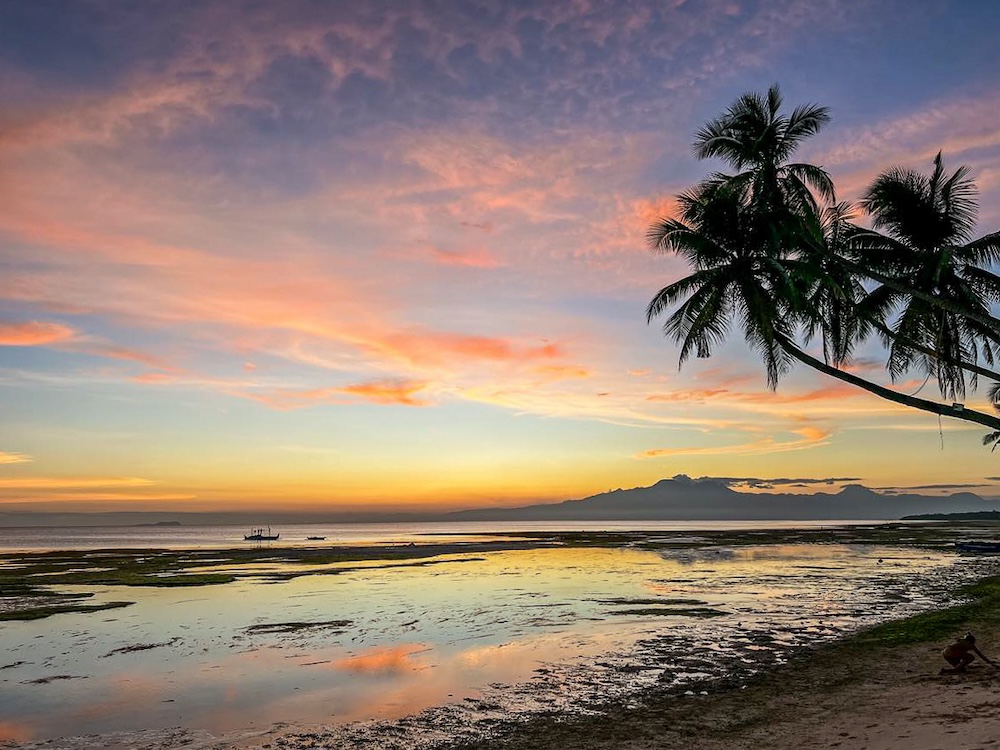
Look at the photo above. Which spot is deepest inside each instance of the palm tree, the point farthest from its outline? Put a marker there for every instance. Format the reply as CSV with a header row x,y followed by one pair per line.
x,y
762,253
926,258
757,140
845,313
735,278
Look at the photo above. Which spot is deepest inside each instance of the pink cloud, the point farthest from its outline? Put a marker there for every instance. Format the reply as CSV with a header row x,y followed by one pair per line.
x,y
954,126
383,392
470,259
154,378
33,333
111,351
428,347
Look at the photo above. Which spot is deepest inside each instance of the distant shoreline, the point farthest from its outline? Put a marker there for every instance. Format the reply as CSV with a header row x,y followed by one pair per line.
x,y
979,515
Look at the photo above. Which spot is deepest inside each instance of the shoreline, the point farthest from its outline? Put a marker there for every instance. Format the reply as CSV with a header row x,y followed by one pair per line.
x,y
877,689
892,664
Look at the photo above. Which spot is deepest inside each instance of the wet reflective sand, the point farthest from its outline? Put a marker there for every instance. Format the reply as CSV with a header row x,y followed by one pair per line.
x,y
511,631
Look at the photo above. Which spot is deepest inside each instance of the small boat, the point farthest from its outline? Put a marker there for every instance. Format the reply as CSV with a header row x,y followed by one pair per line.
x,y
258,535
315,538
981,547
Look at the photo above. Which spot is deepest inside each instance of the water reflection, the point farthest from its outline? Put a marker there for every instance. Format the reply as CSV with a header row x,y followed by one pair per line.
x,y
558,627
391,660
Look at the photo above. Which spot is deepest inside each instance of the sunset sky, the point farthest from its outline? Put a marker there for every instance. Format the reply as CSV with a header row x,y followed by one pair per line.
x,y
354,255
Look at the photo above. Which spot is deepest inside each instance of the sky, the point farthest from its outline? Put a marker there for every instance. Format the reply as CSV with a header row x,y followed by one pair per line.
x,y
390,255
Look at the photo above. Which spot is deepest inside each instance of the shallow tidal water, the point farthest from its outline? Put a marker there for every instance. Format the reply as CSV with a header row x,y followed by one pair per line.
x,y
503,632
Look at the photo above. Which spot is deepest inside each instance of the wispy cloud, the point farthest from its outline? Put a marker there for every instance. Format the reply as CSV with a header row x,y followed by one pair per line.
x,y
8,457
384,392
811,438
70,483
33,333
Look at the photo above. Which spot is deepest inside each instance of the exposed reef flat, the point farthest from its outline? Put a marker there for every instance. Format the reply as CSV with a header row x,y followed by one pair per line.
x,y
27,578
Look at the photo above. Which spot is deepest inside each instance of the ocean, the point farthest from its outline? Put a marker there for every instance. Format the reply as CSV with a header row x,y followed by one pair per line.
x,y
40,538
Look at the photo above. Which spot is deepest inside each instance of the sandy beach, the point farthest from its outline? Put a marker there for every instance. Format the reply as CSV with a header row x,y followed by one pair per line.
x,y
851,695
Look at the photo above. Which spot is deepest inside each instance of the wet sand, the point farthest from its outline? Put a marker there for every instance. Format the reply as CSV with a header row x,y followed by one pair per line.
x,y
837,697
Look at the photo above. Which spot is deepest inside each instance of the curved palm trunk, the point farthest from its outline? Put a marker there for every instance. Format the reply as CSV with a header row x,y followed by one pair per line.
x,y
944,410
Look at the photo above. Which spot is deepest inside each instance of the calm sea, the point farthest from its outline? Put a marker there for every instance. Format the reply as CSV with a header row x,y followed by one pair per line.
x,y
184,537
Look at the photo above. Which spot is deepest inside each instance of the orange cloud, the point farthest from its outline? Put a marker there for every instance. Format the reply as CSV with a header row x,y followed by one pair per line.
x,y
811,432
33,333
563,372
648,211
833,392
7,457
154,377
695,394
387,392
433,347
812,437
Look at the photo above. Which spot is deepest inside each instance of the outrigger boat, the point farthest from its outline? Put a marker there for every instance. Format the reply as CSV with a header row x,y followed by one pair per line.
x,y
258,535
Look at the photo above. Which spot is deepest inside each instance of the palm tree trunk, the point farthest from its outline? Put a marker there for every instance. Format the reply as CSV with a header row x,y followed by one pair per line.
x,y
944,410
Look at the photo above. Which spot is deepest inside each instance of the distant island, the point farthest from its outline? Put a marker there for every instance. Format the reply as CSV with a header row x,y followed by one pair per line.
x,y
978,515
683,498
680,498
